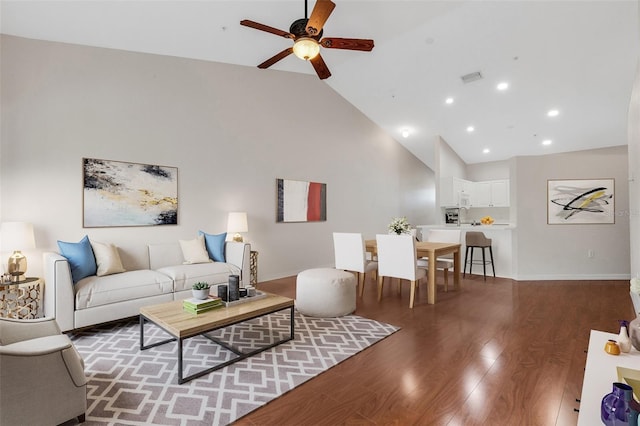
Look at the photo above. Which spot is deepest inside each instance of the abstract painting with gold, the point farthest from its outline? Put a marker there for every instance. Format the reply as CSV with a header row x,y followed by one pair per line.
x,y
580,201
118,193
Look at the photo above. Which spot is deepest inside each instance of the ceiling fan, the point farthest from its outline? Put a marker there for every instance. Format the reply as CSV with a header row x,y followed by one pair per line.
x,y
306,34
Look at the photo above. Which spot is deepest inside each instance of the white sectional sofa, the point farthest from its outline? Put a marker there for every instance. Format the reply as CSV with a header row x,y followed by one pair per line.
x,y
97,299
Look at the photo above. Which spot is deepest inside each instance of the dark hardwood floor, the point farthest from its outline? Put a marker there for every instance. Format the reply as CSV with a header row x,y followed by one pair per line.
x,y
498,352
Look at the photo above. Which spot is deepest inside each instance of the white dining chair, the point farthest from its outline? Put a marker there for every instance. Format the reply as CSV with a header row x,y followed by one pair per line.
x,y
397,259
349,253
443,263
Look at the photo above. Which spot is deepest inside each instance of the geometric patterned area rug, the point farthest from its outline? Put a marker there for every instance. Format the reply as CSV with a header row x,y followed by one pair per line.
x,y
128,386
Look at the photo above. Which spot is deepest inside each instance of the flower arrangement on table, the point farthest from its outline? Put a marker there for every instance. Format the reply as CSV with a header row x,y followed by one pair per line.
x,y
399,225
487,220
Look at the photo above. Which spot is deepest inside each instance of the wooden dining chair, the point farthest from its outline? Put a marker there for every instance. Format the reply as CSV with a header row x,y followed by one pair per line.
x,y
397,259
443,263
349,253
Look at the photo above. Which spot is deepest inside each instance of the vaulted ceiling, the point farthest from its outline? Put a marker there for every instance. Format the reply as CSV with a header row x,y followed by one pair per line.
x,y
577,57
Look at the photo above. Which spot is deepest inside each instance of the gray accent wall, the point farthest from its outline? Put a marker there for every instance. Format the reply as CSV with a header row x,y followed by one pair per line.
x,y
230,130
561,251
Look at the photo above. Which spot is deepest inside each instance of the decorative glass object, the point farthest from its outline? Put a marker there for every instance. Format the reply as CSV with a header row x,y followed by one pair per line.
x,y
619,407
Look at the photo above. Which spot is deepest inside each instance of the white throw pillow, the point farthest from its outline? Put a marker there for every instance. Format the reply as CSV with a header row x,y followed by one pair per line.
x,y
107,258
194,251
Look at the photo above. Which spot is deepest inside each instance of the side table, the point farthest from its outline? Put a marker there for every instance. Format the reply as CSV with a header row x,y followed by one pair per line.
x,y
22,299
253,267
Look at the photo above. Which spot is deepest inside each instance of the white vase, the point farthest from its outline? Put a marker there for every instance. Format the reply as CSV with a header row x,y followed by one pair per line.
x,y
200,294
623,338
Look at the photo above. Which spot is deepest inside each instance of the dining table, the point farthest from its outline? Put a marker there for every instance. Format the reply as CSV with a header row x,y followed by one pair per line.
x,y
431,250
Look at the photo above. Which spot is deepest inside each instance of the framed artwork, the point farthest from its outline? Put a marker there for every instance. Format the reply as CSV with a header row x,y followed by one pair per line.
x,y
117,193
300,201
580,201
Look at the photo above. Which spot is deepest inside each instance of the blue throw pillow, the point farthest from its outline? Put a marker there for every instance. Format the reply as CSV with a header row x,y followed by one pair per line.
x,y
215,245
80,257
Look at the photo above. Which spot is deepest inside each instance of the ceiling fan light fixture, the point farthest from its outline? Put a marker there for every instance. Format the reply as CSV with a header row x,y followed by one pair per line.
x,y
306,48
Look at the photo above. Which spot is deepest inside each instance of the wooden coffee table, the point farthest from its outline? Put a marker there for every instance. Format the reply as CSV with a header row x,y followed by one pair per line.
x,y
182,325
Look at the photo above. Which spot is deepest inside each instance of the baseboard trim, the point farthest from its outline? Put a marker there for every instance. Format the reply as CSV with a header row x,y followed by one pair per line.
x,y
573,277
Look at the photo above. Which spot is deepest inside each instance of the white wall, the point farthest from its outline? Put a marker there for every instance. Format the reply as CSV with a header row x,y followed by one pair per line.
x,y
634,175
448,162
491,170
230,130
560,251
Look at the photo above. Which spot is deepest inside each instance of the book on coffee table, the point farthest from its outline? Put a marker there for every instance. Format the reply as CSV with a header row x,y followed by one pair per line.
x,y
196,305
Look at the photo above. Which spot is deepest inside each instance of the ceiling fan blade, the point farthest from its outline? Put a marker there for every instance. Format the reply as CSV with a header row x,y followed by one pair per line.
x,y
272,60
262,27
319,16
347,43
321,68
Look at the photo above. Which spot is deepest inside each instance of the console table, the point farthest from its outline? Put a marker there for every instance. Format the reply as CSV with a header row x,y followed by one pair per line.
x,y
599,375
21,299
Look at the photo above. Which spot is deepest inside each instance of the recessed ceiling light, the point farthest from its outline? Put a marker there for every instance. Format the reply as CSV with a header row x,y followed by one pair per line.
x,y
405,133
502,86
486,151
448,101
470,129
547,142
553,113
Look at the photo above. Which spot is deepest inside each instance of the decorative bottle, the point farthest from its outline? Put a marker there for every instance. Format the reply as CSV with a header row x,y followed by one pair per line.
x,y
623,337
619,407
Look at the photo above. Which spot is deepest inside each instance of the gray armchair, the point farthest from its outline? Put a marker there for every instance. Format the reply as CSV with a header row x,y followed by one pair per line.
x,y
42,379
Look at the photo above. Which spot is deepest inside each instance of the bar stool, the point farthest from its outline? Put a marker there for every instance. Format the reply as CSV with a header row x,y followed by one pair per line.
x,y
473,240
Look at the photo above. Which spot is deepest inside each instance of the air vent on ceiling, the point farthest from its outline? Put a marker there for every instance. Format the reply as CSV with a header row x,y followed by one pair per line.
x,y
468,78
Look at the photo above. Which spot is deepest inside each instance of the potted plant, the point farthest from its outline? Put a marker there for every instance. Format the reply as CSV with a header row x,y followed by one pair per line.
x,y
200,290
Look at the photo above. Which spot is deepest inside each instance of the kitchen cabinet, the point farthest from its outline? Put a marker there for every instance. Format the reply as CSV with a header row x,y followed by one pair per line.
x,y
455,192
500,193
493,193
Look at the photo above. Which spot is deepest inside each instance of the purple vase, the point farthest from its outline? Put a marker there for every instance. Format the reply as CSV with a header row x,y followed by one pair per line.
x,y
619,407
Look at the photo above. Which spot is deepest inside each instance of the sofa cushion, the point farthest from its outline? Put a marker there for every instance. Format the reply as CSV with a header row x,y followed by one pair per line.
x,y
97,291
184,276
80,257
215,245
194,251
107,258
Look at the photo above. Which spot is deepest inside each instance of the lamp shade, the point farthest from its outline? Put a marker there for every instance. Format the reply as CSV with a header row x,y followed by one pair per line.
x,y
237,222
306,48
17,236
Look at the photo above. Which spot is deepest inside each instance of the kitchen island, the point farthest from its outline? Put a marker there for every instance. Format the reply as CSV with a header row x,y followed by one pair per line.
x,y
502,242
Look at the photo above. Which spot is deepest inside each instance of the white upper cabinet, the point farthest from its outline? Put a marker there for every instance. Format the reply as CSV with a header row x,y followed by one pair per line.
x,y
481,194
492,193
500,193
456,192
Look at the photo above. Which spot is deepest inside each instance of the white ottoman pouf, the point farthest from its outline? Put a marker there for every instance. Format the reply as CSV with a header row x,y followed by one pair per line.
x,y
325,292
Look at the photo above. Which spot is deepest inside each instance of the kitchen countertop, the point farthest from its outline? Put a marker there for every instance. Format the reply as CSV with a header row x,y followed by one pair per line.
x,y
468,226
501,236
